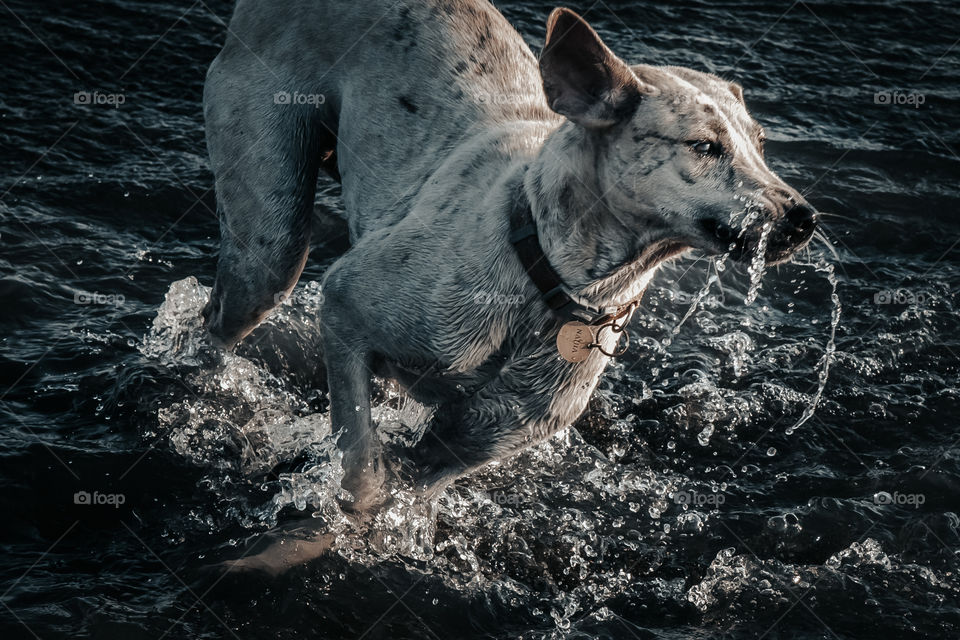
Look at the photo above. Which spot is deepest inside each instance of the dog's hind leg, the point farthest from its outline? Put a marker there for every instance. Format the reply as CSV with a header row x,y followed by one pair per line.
x,y
265,153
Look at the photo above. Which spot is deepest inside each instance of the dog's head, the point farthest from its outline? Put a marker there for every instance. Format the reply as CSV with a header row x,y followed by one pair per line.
x,y
677,154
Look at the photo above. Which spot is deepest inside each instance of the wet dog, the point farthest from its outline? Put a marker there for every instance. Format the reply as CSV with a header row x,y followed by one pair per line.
x,y
504,211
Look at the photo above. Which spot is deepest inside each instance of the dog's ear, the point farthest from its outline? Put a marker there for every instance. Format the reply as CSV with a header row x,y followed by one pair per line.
x,y
737,91
584,80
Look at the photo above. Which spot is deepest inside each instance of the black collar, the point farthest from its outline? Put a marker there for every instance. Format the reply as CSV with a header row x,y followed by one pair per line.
x,y
555,293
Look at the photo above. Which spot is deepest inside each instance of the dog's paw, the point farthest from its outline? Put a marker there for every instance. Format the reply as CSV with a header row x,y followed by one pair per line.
x,y
283,551
359,499
426,474
358,507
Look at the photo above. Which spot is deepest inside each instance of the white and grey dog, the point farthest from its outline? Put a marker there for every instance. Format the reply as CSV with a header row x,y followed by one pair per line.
x,y
493,200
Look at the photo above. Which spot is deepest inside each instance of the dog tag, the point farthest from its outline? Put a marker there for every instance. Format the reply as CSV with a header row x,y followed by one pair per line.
x,y
573,341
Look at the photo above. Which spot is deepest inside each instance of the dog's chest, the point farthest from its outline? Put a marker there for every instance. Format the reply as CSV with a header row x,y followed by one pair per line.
x,y
524,364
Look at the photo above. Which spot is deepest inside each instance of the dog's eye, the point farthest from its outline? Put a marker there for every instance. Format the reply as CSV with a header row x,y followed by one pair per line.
x,y
705,147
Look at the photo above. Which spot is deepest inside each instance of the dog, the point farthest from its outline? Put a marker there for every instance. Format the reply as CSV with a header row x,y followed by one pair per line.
x,y
505,211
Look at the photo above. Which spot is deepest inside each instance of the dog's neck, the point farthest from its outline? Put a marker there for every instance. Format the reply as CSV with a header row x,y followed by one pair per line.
x,y
590,246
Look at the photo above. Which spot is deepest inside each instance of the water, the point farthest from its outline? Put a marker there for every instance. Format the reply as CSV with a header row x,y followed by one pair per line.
x,y
701,496
829,350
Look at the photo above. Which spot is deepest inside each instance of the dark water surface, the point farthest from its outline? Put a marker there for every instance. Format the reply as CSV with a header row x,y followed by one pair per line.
x,y
679,508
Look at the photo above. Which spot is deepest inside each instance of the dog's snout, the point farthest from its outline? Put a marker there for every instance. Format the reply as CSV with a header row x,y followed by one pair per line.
x,y
803,217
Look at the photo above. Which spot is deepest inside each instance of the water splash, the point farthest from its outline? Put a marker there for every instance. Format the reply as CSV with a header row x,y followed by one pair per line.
x,y
174,337
242,421
737,346
697,300
758,264
823,375
238,417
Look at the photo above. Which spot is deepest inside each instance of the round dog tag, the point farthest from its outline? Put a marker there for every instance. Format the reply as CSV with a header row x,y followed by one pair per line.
x,y
573,341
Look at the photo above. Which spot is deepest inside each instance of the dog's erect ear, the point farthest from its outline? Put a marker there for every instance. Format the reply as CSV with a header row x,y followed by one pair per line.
x,y
582,78
737,91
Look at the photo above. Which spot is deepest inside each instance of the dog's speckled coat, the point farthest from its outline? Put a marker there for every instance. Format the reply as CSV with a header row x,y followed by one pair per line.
x,y
435,115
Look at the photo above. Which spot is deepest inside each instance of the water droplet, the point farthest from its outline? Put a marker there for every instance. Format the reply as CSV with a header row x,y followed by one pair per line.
x,y
704,436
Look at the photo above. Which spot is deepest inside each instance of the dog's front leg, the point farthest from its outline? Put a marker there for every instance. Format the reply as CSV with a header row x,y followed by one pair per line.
x,y
464,436
528,401
348,373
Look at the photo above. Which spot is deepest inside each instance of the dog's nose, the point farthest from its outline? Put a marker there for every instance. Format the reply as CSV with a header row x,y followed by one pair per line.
x,y
802,216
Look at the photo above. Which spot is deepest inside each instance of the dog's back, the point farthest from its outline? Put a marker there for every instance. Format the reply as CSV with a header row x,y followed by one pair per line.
x,y
447,70
380,94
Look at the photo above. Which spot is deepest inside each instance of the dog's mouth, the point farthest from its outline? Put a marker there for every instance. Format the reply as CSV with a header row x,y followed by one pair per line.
x,y
777,239
666,250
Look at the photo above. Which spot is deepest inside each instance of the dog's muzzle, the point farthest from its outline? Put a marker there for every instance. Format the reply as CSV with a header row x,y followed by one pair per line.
x,y
789,232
